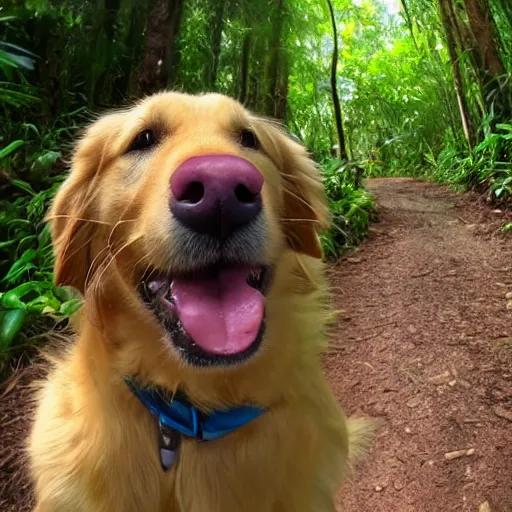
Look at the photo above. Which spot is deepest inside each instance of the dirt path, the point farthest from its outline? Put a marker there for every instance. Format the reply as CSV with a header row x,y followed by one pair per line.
x,y
425,343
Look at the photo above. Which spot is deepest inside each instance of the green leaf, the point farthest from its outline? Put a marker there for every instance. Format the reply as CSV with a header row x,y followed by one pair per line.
x,y
26,187
9,46
499,191
16,98
22,222
506,127
21,60
32,127
10,324
20,266
7,243
13,146
13,299
45,162
70,307
65,293
44,237
42,303
7,61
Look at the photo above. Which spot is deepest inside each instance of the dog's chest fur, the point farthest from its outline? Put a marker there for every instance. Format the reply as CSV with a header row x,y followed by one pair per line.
x,y
103,456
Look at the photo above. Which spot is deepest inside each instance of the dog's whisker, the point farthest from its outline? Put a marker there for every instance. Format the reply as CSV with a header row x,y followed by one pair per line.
x,y
107,263
81,219
301,199
136,265
120,221
93,266
287,219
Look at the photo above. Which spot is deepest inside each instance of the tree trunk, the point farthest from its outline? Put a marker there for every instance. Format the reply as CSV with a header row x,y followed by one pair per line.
x,y
161,32
496,92
444,10
256,90
483,29
334,89
275,60
103,87
217,26
244,68
282,91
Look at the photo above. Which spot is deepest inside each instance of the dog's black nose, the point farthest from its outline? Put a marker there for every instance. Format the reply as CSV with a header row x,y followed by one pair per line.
x,y
215,194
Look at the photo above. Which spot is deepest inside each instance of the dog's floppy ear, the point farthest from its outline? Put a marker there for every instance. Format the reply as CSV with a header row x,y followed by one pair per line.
x,y
72,215
305,203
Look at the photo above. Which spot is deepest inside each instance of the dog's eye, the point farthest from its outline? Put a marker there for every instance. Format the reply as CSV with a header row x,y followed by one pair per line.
x,y
144,140
249,140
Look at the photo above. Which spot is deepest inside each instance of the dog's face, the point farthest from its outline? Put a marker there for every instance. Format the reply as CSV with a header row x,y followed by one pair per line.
x,y
186,222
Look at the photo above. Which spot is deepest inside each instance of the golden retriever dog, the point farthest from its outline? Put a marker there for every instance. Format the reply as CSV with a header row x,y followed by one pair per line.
x,y
195,383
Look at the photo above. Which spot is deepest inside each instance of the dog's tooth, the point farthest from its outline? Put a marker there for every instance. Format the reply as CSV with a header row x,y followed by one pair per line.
x,y
155,286
158,285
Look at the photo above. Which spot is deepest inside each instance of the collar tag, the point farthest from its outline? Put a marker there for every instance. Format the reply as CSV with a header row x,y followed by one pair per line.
x,y
169,441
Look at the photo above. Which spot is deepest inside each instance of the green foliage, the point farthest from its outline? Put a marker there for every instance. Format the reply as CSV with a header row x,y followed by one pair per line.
x,y
351,205
31,175
488,167
12,59
26,260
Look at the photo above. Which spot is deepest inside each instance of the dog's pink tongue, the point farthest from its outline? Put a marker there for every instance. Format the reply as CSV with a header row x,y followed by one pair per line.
x,y
222,314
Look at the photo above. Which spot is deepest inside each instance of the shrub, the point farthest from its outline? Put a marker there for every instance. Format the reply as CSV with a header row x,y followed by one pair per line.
x,y
351,205
487,168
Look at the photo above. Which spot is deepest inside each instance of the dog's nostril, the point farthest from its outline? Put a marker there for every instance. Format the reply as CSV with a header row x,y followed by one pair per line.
x,y
216,194
194,193
244,195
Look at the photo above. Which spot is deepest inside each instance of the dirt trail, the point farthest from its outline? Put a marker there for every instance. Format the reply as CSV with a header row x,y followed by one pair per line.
x,y
425,343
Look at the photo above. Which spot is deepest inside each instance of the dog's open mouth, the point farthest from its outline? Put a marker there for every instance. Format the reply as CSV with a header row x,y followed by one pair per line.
x,y
213,316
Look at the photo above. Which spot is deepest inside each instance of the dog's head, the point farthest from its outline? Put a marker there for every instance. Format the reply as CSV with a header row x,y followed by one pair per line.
x,y
190,227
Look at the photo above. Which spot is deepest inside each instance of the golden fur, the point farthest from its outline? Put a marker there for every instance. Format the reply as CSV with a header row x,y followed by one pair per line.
x,y
92,447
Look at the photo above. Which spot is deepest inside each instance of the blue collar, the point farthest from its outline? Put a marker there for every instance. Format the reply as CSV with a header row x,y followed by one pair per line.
x,y
180,415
